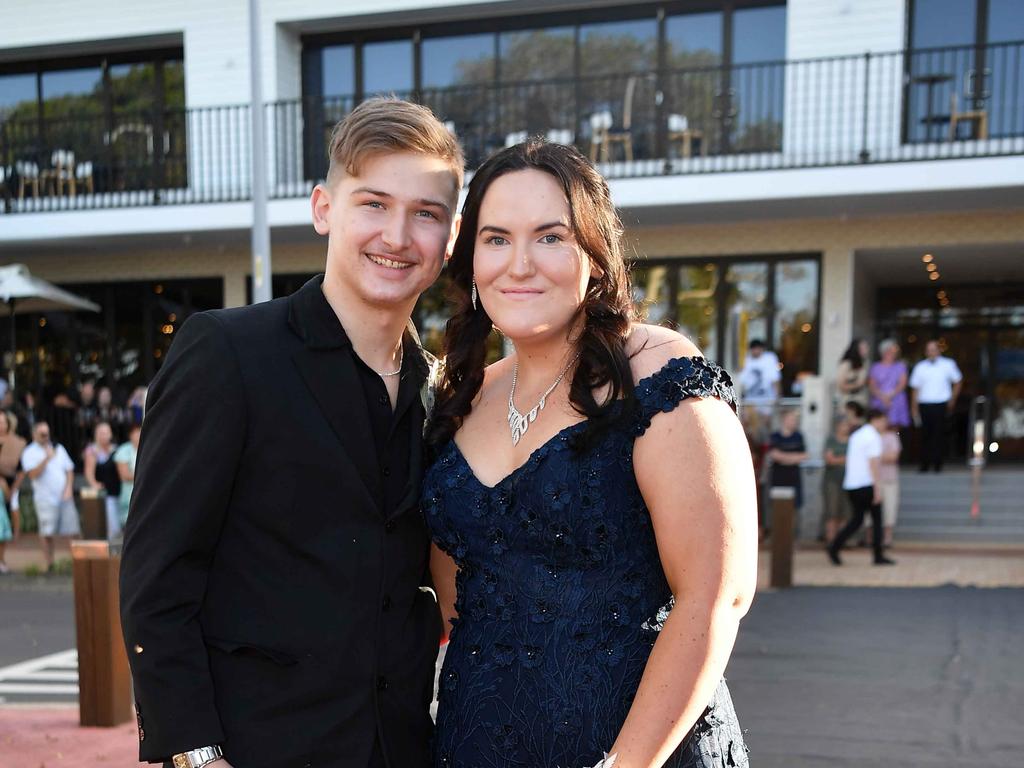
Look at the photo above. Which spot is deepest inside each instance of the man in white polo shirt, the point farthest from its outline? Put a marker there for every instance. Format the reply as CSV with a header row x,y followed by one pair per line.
x,y
935,385
52,474
863,486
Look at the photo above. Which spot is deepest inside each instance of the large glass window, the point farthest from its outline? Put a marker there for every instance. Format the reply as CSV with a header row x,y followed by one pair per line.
x,y
387,67
591,77
105,124
339,70
723,304
459,60
696,315
796,318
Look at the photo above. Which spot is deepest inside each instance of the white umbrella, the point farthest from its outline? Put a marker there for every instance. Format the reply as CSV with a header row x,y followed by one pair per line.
x,y
25,294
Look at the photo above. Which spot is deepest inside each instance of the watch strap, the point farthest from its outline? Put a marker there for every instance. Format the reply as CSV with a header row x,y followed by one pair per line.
x,y
197,758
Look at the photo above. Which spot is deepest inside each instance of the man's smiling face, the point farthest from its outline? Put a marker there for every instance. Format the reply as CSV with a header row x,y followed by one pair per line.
x,y
389,228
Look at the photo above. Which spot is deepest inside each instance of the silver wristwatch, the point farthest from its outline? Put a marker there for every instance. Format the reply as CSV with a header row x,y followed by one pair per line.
x,y
197,758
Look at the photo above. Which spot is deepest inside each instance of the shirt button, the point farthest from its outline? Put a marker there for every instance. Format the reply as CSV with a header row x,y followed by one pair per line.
x,y
384,400
389,526
387,472
382,683
387,603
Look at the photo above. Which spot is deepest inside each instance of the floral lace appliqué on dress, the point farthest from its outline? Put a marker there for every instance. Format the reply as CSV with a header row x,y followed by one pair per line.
x,y
561,595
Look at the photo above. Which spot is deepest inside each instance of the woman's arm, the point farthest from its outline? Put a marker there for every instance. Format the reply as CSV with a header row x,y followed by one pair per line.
x,y
900,385
124,471
442,572
703,505
89,470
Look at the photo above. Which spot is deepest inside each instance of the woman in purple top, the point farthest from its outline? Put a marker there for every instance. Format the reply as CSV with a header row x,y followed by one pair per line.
x,y
887,381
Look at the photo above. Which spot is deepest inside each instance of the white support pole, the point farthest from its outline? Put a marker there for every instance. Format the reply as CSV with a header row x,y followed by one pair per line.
x,y
261,265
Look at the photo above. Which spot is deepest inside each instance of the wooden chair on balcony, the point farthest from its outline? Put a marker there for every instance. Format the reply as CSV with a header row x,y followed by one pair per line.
x,y
679,130
604,133
62,175
978,118
83,176
28,176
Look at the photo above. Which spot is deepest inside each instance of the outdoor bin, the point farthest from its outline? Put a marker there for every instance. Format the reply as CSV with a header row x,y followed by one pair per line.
x,y
92,513
104,682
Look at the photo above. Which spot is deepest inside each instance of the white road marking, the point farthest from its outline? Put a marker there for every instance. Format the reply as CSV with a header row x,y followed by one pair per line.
x,y
55,674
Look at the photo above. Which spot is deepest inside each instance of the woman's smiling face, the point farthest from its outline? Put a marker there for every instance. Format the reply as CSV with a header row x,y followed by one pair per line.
x,y
531,273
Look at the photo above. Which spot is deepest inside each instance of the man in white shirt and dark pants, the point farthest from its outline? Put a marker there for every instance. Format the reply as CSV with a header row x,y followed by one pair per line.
x,y
935,385
862,484
760,379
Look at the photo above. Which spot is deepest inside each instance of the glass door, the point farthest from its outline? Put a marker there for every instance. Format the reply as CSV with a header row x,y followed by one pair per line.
x,y
1007,429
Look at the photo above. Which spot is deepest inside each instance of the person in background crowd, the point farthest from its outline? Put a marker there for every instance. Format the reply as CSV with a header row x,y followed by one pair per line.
x,y
890,477
786,450
52,473
124,457
85,402
887,381
760,378
852,374
108,411
935,384
755,427
11,446
24,409
836,507
101,473
7,529
862,482
137,405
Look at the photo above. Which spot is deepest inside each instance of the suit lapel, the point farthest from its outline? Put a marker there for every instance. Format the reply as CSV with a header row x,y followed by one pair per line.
x,y
332,379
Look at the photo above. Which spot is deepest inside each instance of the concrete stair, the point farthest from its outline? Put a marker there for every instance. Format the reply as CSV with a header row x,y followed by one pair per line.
x,y
937,507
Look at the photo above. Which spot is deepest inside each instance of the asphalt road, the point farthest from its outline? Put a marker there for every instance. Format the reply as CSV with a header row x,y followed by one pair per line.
x,y
836,677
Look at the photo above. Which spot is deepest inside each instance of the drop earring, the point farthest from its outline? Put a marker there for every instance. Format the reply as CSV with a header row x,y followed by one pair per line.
x,y
473,294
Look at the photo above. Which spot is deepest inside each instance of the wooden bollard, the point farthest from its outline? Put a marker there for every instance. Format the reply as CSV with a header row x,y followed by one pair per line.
x,y
92,511
783,501
104,681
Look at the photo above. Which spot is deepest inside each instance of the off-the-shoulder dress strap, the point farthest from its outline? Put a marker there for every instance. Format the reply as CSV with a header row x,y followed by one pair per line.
x,y
679,379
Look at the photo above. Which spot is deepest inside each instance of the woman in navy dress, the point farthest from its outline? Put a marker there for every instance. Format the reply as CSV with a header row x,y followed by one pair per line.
x,y
591,497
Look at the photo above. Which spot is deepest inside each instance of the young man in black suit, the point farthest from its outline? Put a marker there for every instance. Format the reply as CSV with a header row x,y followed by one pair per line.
x,y
274,553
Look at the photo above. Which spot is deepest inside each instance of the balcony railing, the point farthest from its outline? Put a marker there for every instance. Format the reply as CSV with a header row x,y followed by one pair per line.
x,y
873,108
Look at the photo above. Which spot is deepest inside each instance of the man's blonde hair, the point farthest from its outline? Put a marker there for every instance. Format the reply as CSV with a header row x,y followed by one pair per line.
x,y
385,124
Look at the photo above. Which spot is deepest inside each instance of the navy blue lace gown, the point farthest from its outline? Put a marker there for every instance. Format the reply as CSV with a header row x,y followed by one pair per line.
x,y
561,595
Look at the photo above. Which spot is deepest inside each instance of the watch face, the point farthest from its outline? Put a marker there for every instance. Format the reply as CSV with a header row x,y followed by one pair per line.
x,y
181,761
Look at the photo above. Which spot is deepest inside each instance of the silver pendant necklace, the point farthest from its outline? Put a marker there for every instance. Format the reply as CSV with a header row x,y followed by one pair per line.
x,y
518,422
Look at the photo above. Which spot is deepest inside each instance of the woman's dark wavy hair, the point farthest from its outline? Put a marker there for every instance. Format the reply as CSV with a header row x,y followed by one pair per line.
x,y
603,319
853,355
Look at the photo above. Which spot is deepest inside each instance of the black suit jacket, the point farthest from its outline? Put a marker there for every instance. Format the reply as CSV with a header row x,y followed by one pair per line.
x,y
267,603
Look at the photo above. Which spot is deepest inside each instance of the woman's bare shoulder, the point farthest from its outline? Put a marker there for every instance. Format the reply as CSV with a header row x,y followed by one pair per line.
x,y
650,347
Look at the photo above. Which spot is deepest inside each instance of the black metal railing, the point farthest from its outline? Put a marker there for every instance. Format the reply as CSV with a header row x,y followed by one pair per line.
x,y
923,104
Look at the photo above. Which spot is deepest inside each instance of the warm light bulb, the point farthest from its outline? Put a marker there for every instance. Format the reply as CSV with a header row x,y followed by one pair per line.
x,y
933,276
927,258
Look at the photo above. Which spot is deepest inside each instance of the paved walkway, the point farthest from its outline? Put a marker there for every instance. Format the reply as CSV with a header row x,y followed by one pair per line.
x,y
49,737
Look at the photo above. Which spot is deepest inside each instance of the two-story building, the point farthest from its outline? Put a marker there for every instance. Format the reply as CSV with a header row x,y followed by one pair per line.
x,y
803,172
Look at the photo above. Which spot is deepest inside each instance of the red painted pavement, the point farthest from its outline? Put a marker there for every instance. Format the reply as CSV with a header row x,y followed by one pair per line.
x,y
50,737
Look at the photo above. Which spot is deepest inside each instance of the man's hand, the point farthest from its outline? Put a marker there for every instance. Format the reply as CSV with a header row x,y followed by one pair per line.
x,y
950,405
50,452
876,496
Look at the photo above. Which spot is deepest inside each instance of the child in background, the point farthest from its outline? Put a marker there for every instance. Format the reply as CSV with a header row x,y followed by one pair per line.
x,y
786,450
837,507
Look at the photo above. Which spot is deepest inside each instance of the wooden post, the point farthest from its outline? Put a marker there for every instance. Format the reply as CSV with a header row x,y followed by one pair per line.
x,y
92,511
104,681
783,501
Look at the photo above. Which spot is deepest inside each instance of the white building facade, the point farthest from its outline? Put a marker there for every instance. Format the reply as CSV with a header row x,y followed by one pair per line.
x,y
782,167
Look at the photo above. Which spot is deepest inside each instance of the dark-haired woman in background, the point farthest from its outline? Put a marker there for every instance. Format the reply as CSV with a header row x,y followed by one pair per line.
x,y
595,531
852,374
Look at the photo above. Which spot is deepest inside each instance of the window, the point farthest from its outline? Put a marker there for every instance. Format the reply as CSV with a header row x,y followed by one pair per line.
x,y
449,61
339,71
387,67
722,304
118,113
